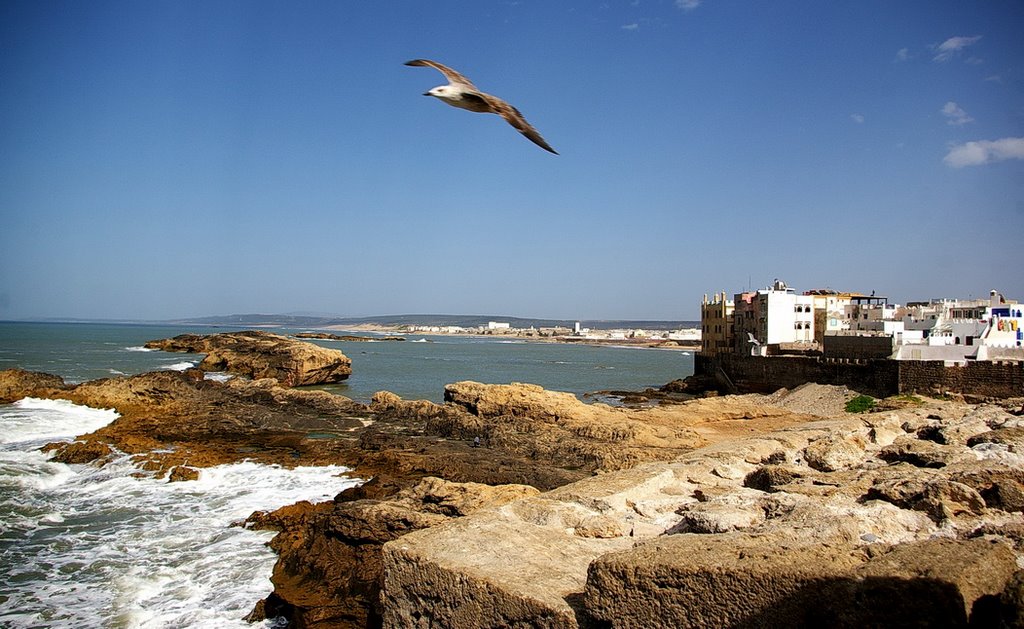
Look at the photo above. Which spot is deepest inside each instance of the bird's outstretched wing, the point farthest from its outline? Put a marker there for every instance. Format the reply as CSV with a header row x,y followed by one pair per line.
x,y
516,119
451,75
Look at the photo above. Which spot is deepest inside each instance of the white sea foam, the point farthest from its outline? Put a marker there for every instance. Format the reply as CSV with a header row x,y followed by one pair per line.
x,y
219,376
139,348
109,546
32,419
182,366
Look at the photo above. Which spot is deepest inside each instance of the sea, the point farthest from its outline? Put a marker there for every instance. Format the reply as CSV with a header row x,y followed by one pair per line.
x,y
115,546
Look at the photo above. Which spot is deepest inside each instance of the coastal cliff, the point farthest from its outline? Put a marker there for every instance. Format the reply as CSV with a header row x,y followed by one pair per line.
x,y
738,510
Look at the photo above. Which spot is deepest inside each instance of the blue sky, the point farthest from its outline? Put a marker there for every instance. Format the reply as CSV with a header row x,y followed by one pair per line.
x,y
168,159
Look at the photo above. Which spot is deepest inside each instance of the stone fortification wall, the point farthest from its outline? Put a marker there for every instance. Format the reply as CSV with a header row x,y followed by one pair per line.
x,y
766,374
879,377
988,379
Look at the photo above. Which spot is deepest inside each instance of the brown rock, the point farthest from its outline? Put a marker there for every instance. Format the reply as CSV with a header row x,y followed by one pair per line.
x,y
1000,487
16,384
1012,602
81,452
1011,436
732,580
259,354
743,580
940,498
771,477
330,571
833,453
183,473
918,452
527,421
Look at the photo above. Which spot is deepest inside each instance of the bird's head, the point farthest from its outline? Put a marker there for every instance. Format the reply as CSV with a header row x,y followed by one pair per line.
x,y
441,91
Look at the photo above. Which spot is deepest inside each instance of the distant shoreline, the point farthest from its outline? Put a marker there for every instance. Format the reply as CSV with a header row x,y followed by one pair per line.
x,y
640,343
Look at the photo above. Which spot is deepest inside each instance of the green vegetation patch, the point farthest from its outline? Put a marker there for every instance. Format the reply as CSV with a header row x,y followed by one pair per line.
x,y
860,404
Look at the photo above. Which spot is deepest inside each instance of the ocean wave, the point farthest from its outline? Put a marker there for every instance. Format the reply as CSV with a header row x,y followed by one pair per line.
x,y
122,547
139,348
182,366
32,419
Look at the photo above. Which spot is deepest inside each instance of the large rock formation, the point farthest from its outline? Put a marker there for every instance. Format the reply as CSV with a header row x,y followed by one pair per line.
x,y
329,574
744,532
170,418
259,354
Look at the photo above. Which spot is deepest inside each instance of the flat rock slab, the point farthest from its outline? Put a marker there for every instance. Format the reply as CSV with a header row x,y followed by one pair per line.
x,y
742,580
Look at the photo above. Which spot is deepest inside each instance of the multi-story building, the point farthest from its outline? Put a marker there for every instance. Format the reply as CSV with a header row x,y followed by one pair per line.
x,y
752,321
829,312
716,325
952,330
744,324
783,316
967,330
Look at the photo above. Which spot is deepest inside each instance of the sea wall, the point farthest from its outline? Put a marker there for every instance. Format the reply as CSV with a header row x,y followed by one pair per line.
x,y
878,377
983,378
761,374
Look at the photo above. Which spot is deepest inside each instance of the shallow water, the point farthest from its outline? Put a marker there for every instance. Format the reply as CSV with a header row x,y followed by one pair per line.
x,y
412,369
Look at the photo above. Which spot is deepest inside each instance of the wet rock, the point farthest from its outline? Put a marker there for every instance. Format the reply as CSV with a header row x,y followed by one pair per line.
x,y
183,473
81,452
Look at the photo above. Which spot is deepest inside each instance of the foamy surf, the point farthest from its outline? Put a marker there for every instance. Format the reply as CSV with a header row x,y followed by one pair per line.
x,y
33,419
88,546
182,366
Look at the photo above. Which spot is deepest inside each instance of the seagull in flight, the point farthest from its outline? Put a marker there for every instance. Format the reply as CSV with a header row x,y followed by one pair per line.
x,y
460,92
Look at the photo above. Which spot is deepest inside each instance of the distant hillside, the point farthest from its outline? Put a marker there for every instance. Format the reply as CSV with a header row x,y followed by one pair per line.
x,y
465,321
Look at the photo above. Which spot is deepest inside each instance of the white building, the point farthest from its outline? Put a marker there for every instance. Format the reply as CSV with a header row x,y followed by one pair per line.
x,y
782,317
963,330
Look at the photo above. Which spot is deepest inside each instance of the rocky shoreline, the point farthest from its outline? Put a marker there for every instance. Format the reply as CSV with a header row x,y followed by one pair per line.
x,y
733,510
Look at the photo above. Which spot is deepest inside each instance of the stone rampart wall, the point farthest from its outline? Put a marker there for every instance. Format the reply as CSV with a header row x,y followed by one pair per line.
x,y
878,377
983,378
